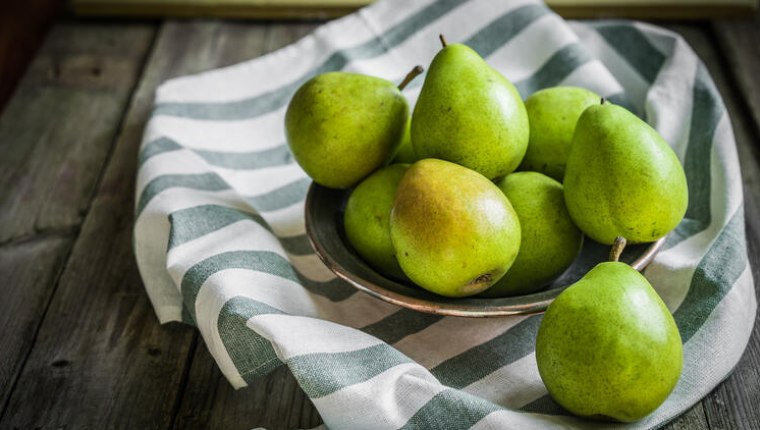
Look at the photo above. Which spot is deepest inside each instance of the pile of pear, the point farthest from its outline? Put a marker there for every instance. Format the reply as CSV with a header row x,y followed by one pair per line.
x,y
477,192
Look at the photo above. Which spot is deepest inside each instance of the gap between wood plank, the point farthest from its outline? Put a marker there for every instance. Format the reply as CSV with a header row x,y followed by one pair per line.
x,y
55,277
736,90
41,234
183,380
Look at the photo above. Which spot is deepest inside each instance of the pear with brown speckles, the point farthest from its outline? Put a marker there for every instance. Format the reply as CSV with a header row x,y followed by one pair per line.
x,y
454,232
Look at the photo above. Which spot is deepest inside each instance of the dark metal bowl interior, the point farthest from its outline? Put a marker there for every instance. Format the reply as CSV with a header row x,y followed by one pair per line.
x,y
324,226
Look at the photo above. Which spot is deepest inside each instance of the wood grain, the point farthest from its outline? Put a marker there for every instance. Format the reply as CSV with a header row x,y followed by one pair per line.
x,y
692,419
733,404
101,360
321,9
740,42
58,129
275,401
50,166
29,270
23,26
116,365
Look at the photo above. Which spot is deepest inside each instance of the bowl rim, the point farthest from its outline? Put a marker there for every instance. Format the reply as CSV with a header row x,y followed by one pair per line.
x,y
526,304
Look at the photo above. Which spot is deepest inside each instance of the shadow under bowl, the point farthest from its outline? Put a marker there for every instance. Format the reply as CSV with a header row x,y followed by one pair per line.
x,y
324,227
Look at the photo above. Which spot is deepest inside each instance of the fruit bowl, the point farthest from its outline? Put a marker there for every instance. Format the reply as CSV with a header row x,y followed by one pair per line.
x,y
324,227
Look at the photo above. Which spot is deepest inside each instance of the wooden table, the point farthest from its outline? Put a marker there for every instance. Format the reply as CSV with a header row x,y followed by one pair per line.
x,y
80,346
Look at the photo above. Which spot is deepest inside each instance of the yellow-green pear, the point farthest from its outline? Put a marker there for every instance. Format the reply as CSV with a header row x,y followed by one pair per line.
x,y
454,231
469,114
552,114
622,178
367,218
550,241
342,126
608,348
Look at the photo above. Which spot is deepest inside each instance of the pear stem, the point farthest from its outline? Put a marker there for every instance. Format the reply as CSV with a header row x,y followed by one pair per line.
x,y
617,248
601,102
410,76
443,40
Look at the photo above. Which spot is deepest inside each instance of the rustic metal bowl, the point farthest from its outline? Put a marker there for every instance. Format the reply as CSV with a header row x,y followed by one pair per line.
x,y
324,226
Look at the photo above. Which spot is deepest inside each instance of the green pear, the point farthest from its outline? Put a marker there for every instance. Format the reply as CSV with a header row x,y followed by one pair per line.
x,y
342,126
405,152
454,231
552,115
622,178
550,241
366,219
469,114
608,348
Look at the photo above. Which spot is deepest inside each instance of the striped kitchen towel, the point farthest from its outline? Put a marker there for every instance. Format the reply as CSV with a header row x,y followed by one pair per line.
x,y
220,242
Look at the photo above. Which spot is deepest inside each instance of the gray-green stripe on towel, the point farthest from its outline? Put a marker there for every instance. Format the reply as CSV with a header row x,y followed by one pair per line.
x,y
252,354
277,98
198,221
279,198
464,370
278,155
259,261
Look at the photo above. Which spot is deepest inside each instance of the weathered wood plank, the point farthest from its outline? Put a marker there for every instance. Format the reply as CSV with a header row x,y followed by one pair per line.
x,y
116,364
693,419
733,404
58,129
283,34
101,357
740,43
29,271
275,401
55,136
22,30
